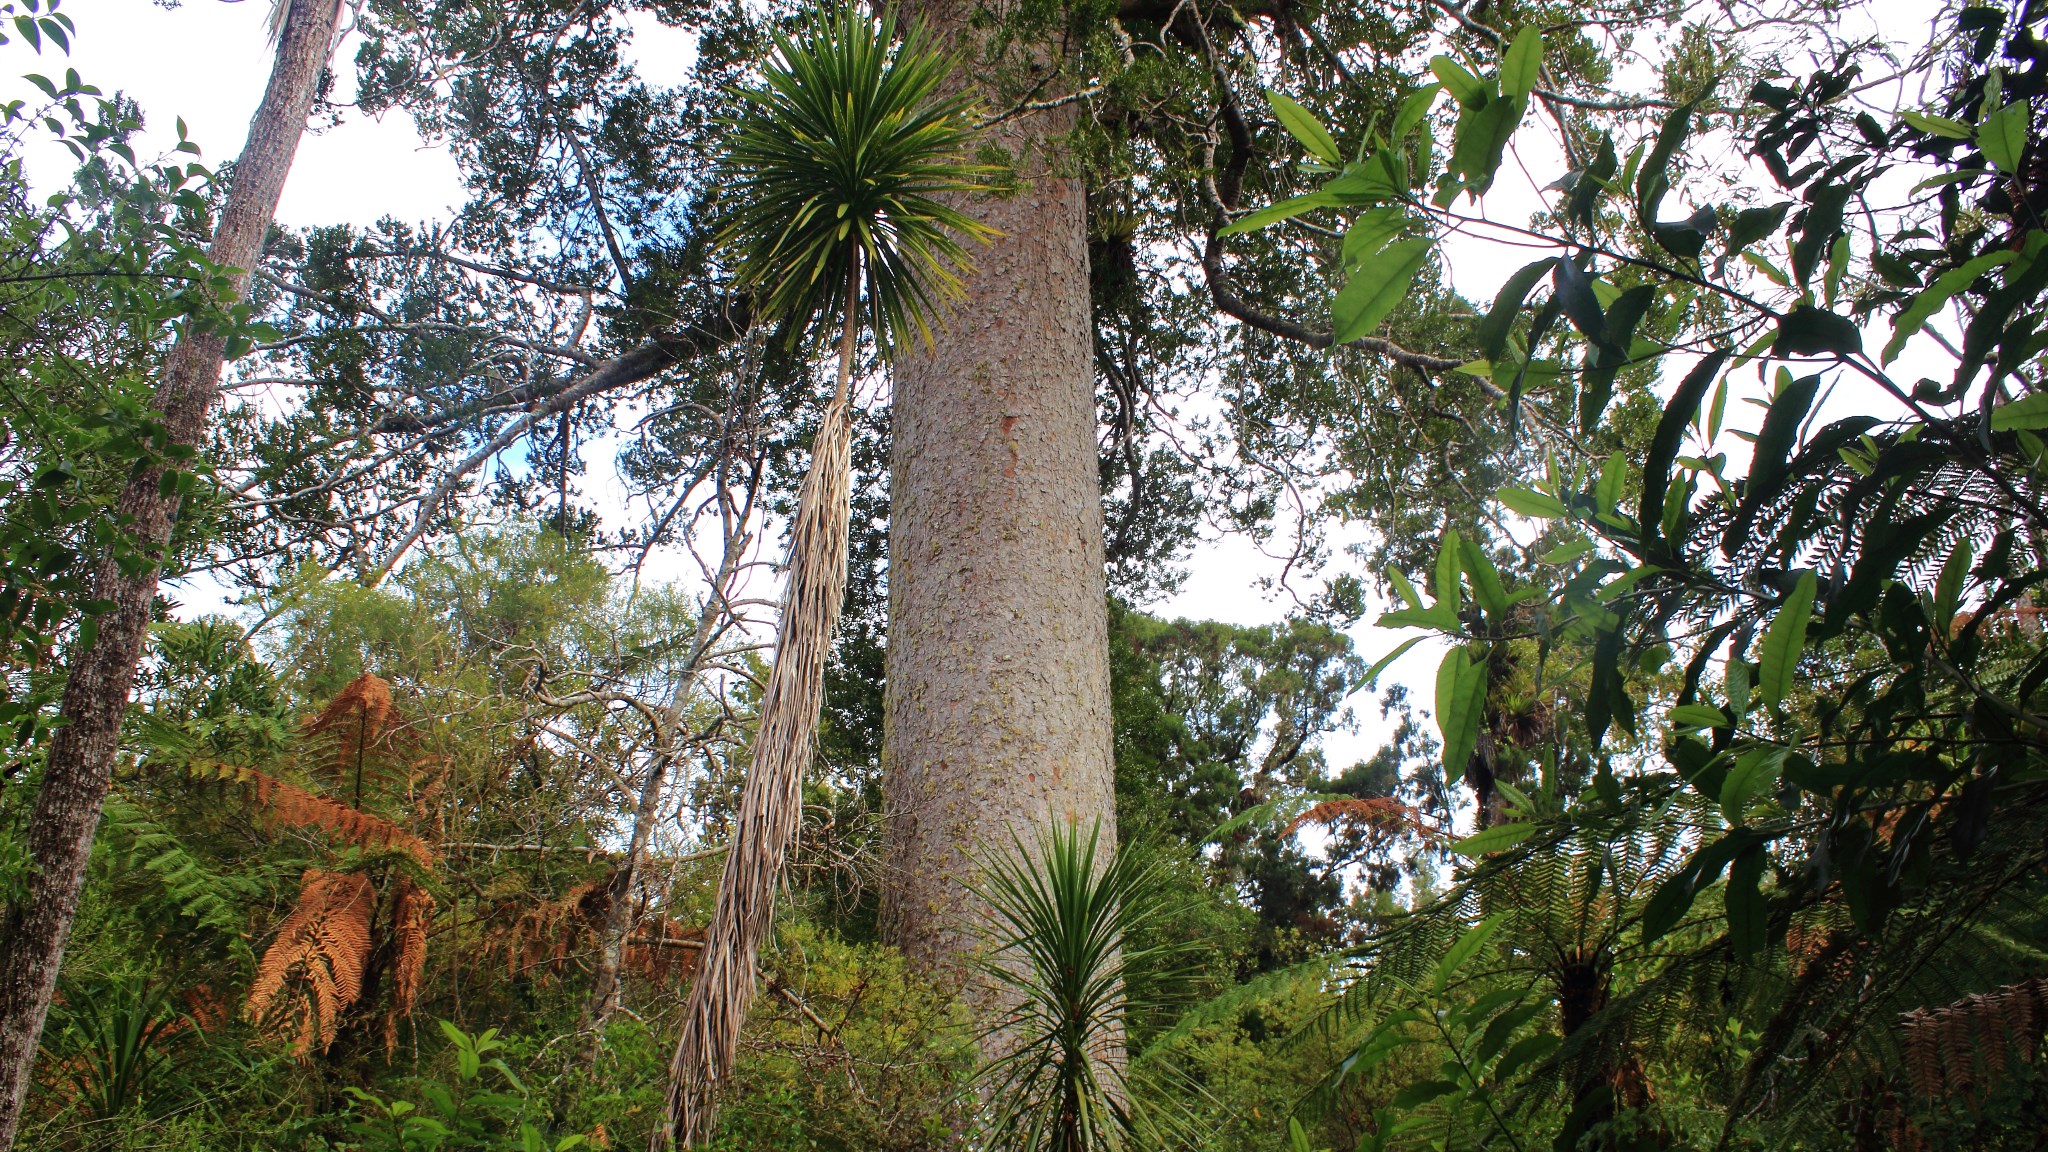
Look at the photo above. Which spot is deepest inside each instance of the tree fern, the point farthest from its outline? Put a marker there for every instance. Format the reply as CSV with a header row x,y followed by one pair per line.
x,y
207,898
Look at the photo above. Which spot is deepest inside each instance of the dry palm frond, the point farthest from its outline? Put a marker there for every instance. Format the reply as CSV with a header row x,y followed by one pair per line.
x,y
410,920
771,805
313,971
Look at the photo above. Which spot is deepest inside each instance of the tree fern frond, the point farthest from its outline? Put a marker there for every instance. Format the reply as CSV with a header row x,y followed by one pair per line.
x,y
313,971
204,896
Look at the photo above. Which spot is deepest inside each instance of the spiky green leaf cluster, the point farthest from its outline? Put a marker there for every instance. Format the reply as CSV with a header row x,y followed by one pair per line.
x,y
842,155
1061,943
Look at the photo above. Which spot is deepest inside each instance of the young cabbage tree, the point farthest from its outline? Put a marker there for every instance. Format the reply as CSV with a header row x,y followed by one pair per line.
x,y
1063,941
835,169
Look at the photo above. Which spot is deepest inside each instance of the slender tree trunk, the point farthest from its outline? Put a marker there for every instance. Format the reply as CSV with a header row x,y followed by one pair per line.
x,y
618,917
604,990
771,807
81,756
998,665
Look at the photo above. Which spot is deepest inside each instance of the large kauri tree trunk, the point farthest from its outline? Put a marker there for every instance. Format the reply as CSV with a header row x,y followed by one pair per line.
x,y
998,673
33,932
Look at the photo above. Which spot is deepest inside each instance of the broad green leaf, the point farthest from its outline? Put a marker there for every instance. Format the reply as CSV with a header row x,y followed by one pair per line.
x,y
1620,585
1533,504
1653,179
1773,273
1380,1043
1810,331
1698,716
1521,64
1932,298
1463,86
1421,1093
1285,210
1785,641
1431,618
1492,329
1771,457
1568,552
1505,1025
1945,179
1486,585
1376,287
1376,179
1460,698
1937,125
1404,587
1753,224
1754,771
1494,839
1613,474
1481,139
1737,682
1380,665
1369,233
1413,110
1748,911
2028,412
1671,426
2003,136
1668,904
1948,588
1524,1052
1450,562
1467,946
1303,126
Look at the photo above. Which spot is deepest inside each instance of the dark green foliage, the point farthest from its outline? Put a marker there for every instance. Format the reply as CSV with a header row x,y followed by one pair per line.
x,y
835,165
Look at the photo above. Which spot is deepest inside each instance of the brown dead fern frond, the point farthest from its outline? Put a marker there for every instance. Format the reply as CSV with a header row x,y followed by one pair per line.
x,y
297,807
313,971
1379,813
546,936
547,939
354,737
411,918
363,711
665,950
1966,1049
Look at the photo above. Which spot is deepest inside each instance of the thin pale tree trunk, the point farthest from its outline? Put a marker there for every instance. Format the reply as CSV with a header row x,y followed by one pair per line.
x,y
604,991
771,806
618,920
34,931
997,695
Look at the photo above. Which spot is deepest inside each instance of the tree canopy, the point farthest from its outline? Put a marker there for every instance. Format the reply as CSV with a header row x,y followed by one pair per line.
x,y
1641,744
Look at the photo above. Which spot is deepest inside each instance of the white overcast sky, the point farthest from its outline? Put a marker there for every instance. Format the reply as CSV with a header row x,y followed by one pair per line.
x,y
206,61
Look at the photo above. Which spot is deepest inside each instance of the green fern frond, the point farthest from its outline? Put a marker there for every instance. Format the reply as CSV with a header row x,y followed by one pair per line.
x,y
206,898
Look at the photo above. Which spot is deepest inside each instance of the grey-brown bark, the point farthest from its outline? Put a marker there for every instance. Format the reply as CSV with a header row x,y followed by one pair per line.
x,y
998,678
33,932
